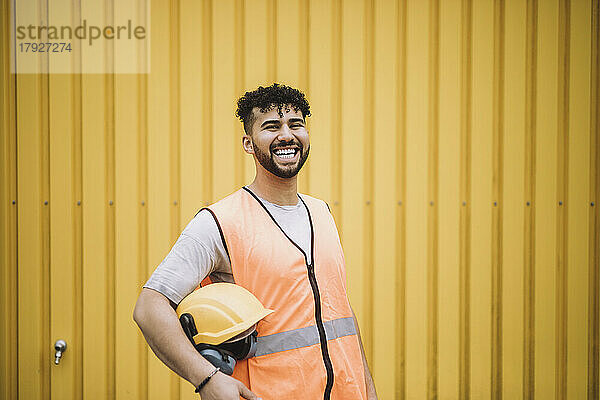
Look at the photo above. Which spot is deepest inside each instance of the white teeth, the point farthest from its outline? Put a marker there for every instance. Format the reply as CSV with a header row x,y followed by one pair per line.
x,y
285,153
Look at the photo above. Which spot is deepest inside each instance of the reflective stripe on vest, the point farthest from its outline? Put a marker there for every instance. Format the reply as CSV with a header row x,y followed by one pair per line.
x,y
304,337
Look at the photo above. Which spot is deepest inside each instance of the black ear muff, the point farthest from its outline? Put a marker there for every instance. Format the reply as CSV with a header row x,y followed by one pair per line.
x,y
218,358
188,326
223,355
243,348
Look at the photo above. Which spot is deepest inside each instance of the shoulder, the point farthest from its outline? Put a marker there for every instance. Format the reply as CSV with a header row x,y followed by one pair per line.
x,y
233,206
202,220
315,202
204,229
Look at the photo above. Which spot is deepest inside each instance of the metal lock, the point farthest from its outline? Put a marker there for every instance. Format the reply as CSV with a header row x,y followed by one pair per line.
x,y
60,346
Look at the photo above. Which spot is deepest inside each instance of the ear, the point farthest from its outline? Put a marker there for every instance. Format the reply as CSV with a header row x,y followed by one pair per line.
x,y
247,144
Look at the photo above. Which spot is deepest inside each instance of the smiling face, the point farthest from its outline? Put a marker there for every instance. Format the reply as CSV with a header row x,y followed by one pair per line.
x,y
279,141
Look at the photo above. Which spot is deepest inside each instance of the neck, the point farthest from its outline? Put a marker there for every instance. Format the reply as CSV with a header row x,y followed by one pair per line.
x,y
276,190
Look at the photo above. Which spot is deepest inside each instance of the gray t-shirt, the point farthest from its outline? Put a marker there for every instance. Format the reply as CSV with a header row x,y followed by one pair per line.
x,y
199,251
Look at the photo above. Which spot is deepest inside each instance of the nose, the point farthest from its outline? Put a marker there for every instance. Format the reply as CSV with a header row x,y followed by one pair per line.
x,y
285,134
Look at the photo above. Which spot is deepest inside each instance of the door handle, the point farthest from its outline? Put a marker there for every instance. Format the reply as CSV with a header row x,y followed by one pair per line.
x,y
60,346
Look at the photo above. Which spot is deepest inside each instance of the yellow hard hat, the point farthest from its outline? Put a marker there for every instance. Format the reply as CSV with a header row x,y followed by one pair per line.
x,y
221,311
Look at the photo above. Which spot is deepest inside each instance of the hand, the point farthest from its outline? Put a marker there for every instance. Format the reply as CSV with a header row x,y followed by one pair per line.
x,y
224,387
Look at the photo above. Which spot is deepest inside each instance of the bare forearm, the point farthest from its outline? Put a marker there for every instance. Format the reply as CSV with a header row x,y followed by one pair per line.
x,y
159,324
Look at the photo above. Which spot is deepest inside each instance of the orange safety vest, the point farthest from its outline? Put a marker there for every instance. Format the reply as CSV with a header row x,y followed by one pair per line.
x,y
308,348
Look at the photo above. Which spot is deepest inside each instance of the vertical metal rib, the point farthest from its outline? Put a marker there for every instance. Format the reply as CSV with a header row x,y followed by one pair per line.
x,y
497,193
77,177
464,350
593,379
174,139
109,112
432,210
369,178
239,85
336,125
564,39
207,102
530,206
45,283
400,386
142,84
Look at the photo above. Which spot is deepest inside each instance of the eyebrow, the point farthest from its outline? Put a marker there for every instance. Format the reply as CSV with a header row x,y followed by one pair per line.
x,y
296,120
276,121
269,121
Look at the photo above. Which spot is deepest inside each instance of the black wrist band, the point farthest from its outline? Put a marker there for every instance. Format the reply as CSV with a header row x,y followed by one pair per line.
x,y
205,381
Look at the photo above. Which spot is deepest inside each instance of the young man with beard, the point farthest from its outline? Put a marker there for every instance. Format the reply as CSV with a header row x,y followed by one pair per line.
x,y
284,248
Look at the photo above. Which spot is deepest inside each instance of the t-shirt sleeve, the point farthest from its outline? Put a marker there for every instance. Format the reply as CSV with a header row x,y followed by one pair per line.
x,y
198,252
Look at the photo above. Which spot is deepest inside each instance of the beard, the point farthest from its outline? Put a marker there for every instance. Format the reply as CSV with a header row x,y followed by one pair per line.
x,y
268,162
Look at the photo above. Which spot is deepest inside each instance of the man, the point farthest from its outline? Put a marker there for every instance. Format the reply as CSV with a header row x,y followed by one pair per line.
x,y
284,248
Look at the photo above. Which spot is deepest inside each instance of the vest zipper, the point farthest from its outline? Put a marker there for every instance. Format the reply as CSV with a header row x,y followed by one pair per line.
x,y
315,290
321,328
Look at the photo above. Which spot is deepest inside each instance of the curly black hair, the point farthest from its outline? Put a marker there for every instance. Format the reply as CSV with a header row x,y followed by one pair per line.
x,y
266,98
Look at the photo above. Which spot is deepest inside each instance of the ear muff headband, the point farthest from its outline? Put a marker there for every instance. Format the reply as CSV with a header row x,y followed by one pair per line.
x,y
188,326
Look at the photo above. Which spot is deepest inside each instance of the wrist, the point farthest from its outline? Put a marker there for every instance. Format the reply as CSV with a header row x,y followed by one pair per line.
x,y
206,380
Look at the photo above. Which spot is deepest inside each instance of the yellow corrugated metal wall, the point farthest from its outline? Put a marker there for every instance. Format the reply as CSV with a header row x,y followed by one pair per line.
x,y
457,143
